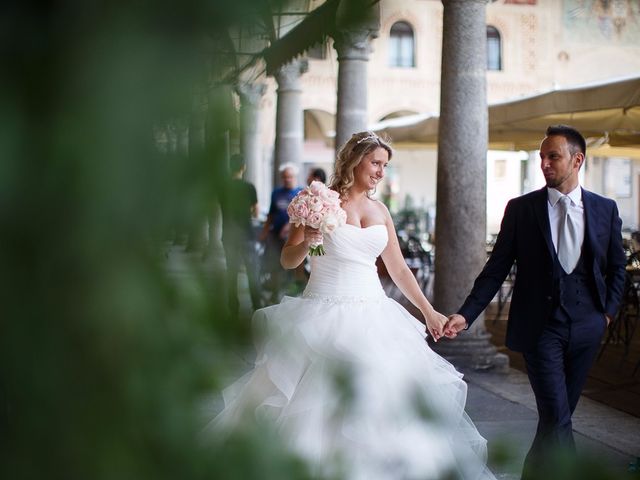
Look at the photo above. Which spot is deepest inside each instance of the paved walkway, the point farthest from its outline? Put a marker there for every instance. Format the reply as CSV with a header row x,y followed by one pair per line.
x,y
503,408
612,379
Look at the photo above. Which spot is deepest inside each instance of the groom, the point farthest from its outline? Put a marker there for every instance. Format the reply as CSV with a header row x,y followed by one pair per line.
x,y
567,245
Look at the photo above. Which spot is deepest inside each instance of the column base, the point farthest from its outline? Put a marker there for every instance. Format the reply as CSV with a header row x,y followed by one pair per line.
x,y
472,350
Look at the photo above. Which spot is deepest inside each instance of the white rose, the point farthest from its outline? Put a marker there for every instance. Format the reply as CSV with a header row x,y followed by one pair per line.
x,y
315,204
330,223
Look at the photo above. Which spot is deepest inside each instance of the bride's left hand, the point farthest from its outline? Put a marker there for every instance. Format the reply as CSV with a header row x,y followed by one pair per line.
x,y
435,324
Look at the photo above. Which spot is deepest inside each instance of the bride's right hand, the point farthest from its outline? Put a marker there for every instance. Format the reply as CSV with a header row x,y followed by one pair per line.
x,y
435,324
312,236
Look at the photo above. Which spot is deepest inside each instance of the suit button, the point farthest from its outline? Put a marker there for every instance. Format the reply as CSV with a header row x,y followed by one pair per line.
x,y
549,297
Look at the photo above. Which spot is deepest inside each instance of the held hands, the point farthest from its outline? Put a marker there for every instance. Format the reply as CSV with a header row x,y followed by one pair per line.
x,y
435,323
455,325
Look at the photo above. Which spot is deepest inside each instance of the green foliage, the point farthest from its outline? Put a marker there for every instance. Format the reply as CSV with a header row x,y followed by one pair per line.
x,y
104,361
584,466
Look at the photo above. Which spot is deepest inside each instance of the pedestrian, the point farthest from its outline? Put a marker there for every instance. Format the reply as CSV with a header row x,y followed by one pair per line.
x,y
317,174
239,204
567,245
276,229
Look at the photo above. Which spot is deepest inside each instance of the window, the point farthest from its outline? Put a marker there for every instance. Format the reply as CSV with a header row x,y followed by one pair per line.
x,y
401,46
494,48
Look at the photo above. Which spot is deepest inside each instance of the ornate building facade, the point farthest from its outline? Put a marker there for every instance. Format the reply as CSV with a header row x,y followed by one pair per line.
x,y
533,46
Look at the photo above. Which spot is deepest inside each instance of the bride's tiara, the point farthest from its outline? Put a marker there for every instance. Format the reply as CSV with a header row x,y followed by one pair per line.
x,y
368,137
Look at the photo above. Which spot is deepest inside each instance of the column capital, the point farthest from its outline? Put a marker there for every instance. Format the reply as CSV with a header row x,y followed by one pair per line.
x,y
251,92
354,43
288,75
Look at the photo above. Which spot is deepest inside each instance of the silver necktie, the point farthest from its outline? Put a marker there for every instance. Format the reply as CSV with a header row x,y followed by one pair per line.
x,y
568,248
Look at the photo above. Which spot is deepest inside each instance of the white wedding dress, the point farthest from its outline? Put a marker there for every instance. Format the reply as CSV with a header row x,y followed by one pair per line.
x,y
345,375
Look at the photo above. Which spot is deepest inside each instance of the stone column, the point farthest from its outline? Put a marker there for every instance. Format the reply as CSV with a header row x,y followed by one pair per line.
x,y
188,151
219,122
250,146
462,170
289,116
353,46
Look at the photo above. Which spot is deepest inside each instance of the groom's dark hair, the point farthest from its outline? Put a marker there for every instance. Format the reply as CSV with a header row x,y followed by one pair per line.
x,y
573,136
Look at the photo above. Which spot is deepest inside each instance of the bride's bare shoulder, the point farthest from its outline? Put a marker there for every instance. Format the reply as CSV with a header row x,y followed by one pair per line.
x,y
381,209
379,205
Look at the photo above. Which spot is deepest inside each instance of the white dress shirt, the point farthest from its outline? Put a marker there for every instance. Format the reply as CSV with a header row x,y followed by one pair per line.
x,y
576,211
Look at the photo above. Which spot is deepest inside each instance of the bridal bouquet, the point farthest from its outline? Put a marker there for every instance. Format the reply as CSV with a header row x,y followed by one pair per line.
x,y
317,206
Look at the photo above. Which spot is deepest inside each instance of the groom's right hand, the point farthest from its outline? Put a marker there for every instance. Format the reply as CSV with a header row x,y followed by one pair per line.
x,y
456,324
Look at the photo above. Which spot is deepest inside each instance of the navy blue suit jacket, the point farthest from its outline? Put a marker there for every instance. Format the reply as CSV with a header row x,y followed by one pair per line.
x,y
525,237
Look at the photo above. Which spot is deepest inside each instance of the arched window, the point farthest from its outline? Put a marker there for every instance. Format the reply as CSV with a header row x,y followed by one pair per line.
x,y
494,49
401,52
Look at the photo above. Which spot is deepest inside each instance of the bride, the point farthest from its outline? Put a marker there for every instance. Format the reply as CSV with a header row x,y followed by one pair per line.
x,y
344,373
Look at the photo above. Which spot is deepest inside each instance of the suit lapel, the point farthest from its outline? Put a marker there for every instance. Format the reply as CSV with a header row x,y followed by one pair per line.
x,y
542,214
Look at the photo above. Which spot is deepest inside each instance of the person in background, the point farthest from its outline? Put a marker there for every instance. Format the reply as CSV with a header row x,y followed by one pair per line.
x,y
276,227
239,205
317,174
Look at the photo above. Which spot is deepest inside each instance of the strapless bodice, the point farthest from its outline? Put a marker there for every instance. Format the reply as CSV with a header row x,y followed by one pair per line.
x,y
348,269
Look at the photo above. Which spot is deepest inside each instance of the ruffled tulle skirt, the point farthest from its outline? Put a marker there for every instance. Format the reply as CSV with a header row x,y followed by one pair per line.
x,y
353,387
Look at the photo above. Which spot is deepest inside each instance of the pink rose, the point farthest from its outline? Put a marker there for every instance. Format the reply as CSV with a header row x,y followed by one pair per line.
x,y
316,187
314,219
298,211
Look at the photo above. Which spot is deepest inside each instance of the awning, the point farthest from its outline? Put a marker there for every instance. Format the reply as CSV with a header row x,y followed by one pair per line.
x,y
608,113
318,24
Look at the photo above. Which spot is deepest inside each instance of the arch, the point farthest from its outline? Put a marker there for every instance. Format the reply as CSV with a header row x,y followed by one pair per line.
x,y
401,45
494,48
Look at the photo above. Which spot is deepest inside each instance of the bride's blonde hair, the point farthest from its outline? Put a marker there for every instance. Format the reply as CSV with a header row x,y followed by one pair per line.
x,y
350,155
